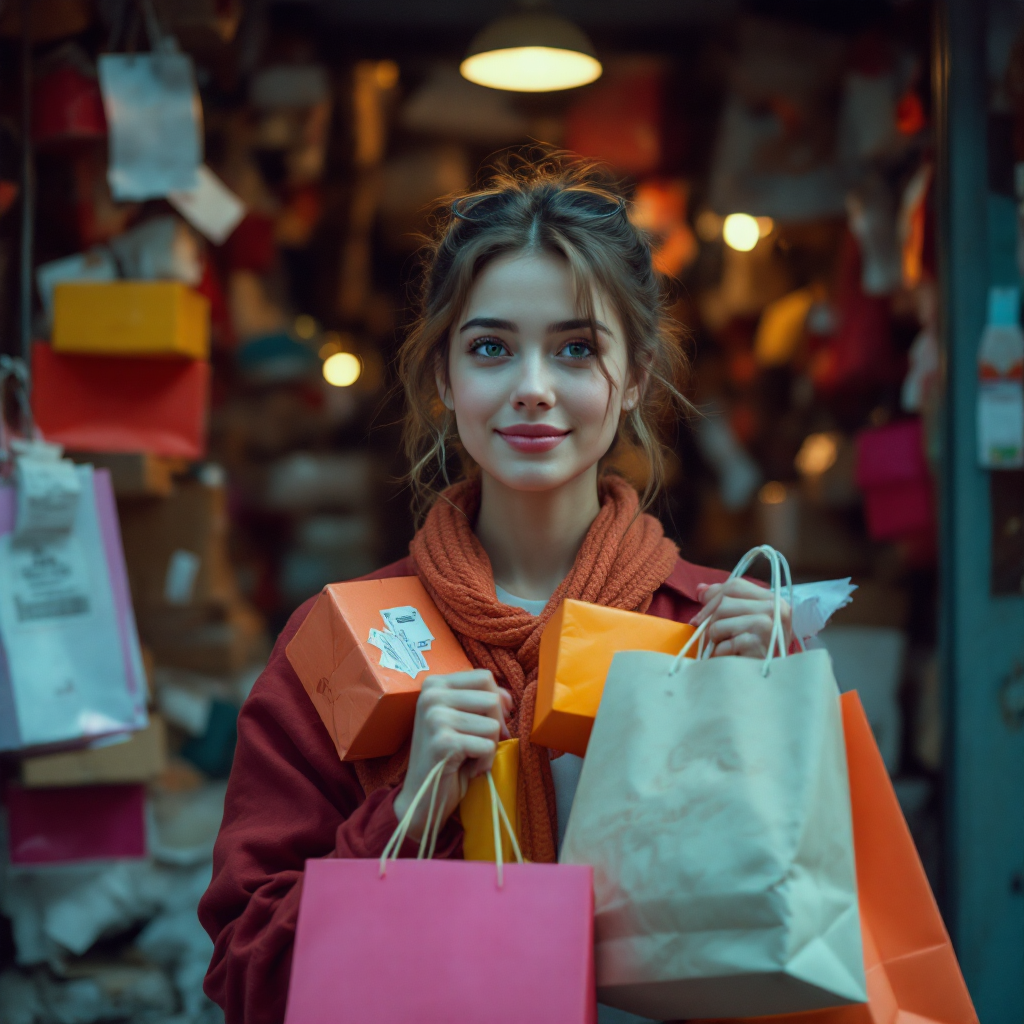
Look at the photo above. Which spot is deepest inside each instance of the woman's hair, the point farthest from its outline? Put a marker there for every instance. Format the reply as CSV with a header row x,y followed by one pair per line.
x,y
557,204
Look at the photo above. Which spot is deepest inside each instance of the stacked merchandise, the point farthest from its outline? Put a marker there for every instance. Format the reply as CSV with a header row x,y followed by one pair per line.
x,y
118,751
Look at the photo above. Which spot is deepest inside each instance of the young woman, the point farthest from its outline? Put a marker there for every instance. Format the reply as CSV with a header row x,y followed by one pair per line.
x,y
542,346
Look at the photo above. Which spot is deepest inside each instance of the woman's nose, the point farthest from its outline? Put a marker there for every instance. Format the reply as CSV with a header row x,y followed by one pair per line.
x,y
534,389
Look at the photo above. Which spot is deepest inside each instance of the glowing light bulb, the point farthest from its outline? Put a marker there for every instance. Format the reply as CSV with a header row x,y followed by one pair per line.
x,y
305,326
817,454
342,369
531,69
741,231
773,493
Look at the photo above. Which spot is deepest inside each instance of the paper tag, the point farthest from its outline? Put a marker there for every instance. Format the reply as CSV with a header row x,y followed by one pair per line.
x,y
407,623
48,493
211,208
154,124
48,580
397,654
180,581
1001,424
815,603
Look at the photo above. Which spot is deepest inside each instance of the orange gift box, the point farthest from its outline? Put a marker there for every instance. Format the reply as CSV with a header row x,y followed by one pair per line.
x,y
368,708
912,971
576,651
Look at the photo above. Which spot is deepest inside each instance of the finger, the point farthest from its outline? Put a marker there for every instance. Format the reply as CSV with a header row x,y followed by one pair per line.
x,y
726,629
730,607
477,702
746,645
479,755
472,725
474,679
507,702
455,748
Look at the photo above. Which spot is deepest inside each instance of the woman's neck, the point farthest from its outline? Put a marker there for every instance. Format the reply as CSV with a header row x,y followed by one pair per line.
x,y
532,537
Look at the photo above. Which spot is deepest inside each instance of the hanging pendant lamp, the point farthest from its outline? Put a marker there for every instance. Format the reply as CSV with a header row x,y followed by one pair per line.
x,y
531,51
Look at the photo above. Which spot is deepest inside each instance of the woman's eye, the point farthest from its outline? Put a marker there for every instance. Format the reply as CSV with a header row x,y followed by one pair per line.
x,y
489,348
577,350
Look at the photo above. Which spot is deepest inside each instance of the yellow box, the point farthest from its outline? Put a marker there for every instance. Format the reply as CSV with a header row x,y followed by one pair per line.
x,y
576,651
475,806
140,758
131,318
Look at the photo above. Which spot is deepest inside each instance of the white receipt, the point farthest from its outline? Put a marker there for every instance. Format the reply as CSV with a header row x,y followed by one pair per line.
x,y
407,622
815,603
211,207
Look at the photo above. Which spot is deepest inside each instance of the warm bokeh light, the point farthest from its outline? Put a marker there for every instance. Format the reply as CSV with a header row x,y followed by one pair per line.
x,y
386,74
773,493
765,226
342,369
531,69
305,327
708,225
817,454
741,231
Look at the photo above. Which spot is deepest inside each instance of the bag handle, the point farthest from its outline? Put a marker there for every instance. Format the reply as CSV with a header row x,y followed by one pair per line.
x,y
777,639
434,822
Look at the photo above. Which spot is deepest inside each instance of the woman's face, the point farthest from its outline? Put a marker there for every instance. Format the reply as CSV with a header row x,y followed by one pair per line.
x,y
531,404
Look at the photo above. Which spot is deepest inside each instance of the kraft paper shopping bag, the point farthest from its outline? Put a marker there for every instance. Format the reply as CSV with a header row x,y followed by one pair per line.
x,y
912,971
438,942
714,807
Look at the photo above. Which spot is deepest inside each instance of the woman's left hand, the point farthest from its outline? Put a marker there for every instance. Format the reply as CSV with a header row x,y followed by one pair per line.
x,y
741,615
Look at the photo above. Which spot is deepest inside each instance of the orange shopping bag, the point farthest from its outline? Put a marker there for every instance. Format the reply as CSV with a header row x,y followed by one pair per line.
x,y
576,651
362,654
912,972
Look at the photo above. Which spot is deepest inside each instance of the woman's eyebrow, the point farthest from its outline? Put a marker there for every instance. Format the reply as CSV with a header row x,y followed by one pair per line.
x,y
490,323
575,325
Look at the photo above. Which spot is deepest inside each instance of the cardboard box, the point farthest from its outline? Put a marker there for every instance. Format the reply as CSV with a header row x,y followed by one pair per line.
x,y
140,758
216,640
576,652
135,474
131,318
368,707
176,548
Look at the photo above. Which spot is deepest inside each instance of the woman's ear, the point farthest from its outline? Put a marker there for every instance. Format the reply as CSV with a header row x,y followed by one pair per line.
x,y
444,390
634,391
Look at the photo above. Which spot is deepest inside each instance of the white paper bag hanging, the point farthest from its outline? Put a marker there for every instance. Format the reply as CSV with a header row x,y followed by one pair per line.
x,y
155,123
714,807
70,666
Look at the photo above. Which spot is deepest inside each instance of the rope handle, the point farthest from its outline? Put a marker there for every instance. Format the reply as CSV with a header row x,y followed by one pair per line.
x,y
777,639
434,823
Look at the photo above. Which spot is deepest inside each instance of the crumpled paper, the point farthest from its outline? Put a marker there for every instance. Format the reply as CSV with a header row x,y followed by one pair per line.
x,y
815,603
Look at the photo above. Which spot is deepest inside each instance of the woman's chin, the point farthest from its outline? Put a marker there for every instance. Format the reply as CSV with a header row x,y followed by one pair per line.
x,y
535,478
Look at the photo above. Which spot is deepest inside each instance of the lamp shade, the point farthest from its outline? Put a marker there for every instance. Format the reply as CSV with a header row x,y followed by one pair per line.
x,y
531,52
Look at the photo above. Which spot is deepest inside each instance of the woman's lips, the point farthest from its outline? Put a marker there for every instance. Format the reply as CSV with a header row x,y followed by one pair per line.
x,y
533,437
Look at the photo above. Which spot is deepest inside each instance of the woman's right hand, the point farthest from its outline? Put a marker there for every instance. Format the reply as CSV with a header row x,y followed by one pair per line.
x,y
459,720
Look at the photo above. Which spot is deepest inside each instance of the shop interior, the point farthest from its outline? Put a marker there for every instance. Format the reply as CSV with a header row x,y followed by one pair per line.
x,y
782,156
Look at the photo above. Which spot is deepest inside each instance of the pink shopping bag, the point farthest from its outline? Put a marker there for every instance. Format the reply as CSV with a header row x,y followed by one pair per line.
x,y
443,942
76,823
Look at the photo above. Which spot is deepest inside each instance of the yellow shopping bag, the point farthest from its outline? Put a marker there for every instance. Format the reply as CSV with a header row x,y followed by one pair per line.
x,y
475,808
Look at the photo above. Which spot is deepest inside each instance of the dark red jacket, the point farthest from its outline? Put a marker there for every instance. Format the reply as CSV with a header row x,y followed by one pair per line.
x,y
289,798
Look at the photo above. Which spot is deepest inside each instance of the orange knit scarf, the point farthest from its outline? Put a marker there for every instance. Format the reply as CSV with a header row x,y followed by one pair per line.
x,y
624,558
